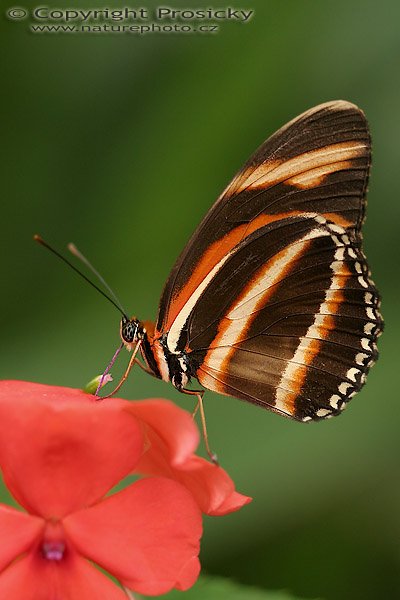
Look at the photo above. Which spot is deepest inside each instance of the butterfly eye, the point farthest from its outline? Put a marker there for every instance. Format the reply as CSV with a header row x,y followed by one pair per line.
x,y
129,331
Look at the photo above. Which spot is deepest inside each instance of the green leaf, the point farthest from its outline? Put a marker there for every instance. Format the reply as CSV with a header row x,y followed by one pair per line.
x,y
217,588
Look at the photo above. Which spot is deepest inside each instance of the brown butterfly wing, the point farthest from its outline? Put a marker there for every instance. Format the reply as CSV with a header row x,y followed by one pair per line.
x,y
271,299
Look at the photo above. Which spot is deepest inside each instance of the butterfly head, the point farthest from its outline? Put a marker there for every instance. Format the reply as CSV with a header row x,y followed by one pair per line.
x,y
131,331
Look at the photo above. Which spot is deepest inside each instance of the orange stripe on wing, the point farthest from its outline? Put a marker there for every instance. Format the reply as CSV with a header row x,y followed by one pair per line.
x,y
214,383
338,219
314,165
216,253
314,177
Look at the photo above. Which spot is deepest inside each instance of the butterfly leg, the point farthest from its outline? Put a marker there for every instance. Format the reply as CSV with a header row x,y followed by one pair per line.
x,y
127,371
196,408
200,407
143,367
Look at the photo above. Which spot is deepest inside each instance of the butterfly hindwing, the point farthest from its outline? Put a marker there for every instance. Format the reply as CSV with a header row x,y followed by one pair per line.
x,y
299,333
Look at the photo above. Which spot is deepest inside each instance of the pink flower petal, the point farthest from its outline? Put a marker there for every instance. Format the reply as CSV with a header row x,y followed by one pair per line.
x,y
211,486
86,582
188,574
171,431
34,578
172,437
147,536
60,449
18,533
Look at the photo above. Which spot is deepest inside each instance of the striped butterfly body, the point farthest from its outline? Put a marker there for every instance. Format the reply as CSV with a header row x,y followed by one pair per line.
x,y
271,300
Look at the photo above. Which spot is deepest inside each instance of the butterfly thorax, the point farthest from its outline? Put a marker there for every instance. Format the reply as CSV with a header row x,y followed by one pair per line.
x,y
159,360
172,366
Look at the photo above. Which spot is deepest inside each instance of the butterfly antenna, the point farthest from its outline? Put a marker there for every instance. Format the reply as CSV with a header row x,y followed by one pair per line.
x,y
74,250
113,300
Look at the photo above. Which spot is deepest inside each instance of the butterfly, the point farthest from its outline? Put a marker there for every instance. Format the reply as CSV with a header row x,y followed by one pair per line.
x,y
271,300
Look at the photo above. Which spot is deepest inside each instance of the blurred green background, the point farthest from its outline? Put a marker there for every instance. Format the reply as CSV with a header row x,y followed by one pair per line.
x,y
121,143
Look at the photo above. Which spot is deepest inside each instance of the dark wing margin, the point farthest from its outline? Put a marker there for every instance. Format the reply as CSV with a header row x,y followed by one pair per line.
x,y
317,163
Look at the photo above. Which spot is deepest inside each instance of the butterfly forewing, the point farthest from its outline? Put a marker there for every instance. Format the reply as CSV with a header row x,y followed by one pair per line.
x,y
271,300
319,162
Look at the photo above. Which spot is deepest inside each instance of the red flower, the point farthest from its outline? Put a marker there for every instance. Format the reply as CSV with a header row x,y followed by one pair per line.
x,y
61,452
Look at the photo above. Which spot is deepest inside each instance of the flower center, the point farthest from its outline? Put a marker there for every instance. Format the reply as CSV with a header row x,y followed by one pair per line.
x,y
53,550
